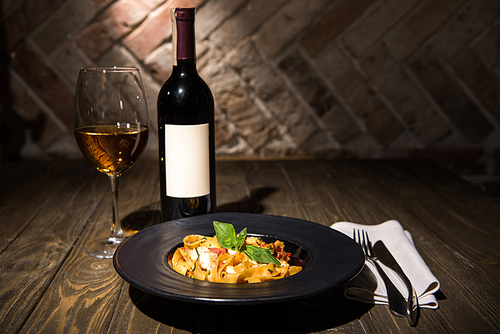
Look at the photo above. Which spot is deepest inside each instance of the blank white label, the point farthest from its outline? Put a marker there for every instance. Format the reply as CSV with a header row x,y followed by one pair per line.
x,y
187,160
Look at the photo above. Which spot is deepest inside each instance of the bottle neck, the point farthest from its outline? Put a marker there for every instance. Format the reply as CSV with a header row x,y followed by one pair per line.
x,y
185,66
183,38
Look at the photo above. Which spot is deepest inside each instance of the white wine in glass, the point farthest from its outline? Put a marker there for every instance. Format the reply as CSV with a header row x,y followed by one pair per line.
x,y
111,129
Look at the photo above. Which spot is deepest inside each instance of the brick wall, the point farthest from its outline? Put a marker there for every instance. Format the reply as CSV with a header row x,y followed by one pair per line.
x,y
329,78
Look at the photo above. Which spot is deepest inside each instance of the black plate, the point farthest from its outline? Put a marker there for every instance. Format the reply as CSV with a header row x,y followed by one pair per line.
x,y
331,259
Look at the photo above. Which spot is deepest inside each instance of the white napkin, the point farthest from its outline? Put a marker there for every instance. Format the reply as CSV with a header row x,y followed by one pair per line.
x,y
369,287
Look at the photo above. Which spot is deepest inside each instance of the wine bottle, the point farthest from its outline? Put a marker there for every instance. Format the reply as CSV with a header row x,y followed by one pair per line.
x,y
185,129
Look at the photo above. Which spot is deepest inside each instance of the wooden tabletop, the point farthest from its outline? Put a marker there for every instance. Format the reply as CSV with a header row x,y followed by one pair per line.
x,y
49,209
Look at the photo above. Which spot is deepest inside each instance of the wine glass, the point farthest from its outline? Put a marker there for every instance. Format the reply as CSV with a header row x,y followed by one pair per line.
x,y
111,129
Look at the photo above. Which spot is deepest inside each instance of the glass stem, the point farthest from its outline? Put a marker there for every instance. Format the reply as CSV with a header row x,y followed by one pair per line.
x,y
116,228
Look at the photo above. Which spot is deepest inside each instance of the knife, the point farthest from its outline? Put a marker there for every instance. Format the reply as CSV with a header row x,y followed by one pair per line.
x,y
385,257
397,303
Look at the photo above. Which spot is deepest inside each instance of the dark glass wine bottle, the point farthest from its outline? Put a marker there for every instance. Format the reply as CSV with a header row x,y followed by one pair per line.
x,y
186,129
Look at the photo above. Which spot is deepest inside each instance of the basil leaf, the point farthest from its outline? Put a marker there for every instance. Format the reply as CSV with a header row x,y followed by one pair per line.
x,y
226,235
197,258
227,238
261,255
240,239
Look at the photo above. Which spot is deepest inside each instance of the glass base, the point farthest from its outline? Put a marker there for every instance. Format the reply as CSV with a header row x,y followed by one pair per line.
x,y
102,248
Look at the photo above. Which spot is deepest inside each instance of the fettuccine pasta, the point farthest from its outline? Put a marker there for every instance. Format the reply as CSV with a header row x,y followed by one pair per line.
x,y
203,258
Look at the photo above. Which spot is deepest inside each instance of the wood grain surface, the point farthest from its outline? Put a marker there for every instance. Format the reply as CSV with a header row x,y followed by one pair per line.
x,y
48,210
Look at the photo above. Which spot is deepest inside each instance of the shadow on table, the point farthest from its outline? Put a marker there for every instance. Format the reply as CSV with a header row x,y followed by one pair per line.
x,y
147,216
140,219
250,204
324,311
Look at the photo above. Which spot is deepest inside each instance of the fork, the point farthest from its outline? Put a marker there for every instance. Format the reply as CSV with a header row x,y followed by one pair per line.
x,y
397,303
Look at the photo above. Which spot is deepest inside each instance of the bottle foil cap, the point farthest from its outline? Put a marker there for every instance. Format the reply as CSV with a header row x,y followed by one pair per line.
x,y
184,14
